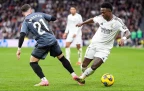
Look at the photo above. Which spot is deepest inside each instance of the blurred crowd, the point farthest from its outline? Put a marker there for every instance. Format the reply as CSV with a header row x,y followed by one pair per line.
x,y
130,11
11,17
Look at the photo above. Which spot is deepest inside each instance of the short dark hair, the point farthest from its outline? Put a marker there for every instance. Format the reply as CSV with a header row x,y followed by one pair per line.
x,y
25,7
107,5
73,7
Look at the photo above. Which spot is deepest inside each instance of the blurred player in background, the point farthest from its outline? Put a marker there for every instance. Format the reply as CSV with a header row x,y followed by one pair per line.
x,y
102,41
37,24
73,34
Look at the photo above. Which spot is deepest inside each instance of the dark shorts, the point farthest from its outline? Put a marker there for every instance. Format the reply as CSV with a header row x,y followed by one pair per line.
x,y
41,53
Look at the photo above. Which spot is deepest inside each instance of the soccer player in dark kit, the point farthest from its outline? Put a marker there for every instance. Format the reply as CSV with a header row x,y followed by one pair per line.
x,y
37,24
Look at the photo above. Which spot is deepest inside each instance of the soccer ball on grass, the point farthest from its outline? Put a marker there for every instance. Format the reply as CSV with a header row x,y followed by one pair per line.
x,y
107,79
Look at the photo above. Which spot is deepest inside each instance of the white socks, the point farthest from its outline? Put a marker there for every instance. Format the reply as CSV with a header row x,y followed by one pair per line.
x,y
83,69
44,79
73,74
80,55
67,50
87,72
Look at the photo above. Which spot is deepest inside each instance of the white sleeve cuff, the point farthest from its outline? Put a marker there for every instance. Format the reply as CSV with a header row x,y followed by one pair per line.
x,y
124,38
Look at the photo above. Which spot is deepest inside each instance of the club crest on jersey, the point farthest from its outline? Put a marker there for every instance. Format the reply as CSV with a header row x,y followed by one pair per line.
x,y
106,31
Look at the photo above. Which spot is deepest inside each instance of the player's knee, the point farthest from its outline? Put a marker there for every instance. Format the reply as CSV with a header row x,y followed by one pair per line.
x,y
96,64
67,44
60,56
33,59
63,59
84,65
78,46
94,67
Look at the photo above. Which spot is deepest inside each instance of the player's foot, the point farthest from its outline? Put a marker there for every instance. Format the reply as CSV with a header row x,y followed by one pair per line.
x,y
42,83
78,63
79,80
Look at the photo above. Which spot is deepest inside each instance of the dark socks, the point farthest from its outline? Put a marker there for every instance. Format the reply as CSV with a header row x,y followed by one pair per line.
x,y
37,69
66,64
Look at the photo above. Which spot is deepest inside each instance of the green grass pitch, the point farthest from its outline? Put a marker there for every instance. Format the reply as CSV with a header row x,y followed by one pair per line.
x,y
126,64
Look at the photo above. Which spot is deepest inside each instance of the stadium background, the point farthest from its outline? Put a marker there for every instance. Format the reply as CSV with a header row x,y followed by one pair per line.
x,y
125,64
130,11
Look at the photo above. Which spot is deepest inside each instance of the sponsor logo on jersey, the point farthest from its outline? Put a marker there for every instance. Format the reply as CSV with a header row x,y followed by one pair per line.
x,y
106,31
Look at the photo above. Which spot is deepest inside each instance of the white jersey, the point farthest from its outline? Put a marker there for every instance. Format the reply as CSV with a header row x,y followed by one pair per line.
x,y
72,20
107,31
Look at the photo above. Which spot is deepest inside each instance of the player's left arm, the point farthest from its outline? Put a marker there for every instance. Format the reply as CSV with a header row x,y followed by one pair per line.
x,y
23,33
78,28
126,34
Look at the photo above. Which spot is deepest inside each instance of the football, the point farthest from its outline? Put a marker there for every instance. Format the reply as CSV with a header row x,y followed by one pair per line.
x,y
107,79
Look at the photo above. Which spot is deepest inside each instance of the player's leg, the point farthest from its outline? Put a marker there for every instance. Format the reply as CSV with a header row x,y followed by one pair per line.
x,y
100,57
79,48
97,62
78,42
67,50
38,54
89,55
66,64
88,71
69,40
85,63
55,51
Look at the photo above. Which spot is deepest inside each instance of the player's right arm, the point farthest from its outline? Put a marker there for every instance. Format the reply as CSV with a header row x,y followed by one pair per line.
x,y
23,33
85,22
89,21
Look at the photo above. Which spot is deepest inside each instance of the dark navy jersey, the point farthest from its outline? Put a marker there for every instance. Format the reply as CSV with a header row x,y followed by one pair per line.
x,y
37,24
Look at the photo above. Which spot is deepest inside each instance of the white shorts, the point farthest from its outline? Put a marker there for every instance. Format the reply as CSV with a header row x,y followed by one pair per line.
x,y
92,52
76,40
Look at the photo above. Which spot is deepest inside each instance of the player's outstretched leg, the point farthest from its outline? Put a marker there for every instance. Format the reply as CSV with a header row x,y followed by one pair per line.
x,y
37,69
68,66
79,54
85,63
97,62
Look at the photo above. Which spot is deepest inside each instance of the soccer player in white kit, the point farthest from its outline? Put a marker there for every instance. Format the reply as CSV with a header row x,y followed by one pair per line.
x,y
102,41
73,34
